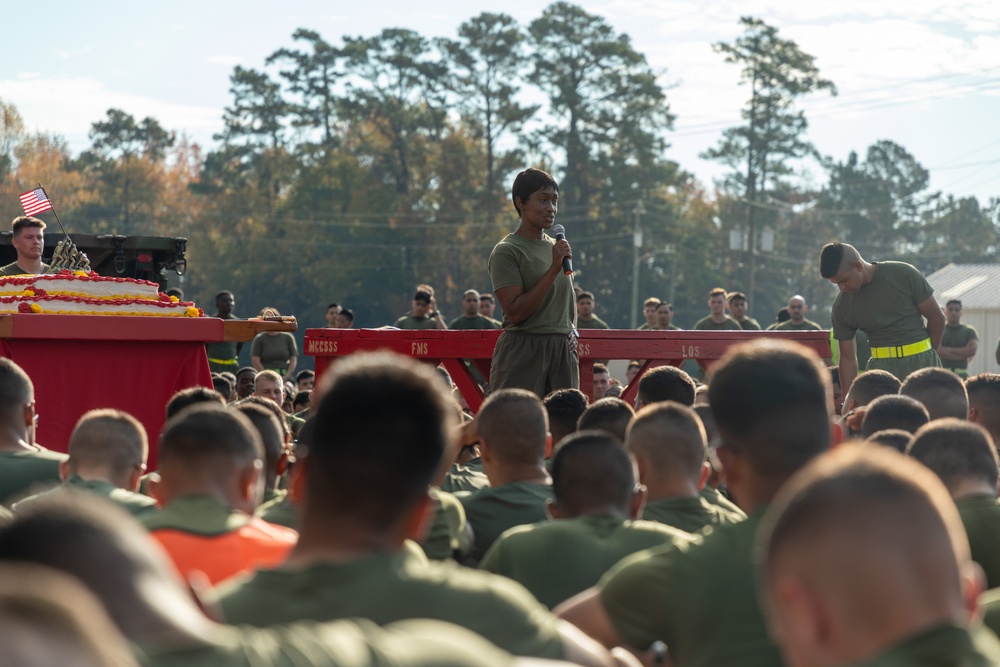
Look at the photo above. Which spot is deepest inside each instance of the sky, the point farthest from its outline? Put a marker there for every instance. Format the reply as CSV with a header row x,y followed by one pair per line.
x,y
922,73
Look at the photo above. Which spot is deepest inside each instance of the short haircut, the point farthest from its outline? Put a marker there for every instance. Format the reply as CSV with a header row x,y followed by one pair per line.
x,y
736,296
223,386
204,432
268,376
333,305
246,369
229,375
487,297
23,221
870,385
109,439
666,383
185,398
611,415
270,406
347,314
223,293
940,390
600,368
381,433
770,398
585,295
651,301
984,396
16,390
423,296
902,412
957,452
671,437
301,398
514,423
717,291
592,469
704,412
564,407
471,291
304,374
664,304
895,438
269,428
527,183
830,259
951,301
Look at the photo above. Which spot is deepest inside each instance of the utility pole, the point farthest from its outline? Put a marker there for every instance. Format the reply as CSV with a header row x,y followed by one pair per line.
x,y
636,246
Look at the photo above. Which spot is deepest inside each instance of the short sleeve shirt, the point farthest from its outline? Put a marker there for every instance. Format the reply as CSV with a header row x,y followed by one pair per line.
x,y
448,533
134,503
388,587
750,324
699,598
25,472
593,323
491,511
274,351
957,336
520,262
410,321
478,322
805,325
886,308
708,324
556,560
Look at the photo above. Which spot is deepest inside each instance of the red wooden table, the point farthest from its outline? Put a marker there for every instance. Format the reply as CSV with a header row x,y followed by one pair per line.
x,y
453,348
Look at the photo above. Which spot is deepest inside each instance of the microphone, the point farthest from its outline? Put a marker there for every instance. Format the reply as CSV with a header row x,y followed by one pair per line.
x,y
560,233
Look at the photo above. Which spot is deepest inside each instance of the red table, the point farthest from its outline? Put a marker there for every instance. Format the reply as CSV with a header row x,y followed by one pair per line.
x,y
453,348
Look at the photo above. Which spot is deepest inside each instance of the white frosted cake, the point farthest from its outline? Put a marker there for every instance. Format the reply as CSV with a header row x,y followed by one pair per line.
x,y
86,293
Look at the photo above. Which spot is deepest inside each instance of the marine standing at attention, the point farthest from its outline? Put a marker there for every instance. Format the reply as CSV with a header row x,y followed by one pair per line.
x,y
537,350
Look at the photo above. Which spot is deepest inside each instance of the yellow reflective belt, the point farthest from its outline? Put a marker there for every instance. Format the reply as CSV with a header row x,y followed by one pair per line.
x,y
225,362
901,350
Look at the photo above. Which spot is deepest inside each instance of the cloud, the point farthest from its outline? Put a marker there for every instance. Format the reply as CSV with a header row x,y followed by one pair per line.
x,y
228,60
67,54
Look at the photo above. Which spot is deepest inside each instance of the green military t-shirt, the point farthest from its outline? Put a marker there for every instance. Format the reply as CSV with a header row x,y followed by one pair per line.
x,y
715,497
708,324
491,511
28,471
520,262
804,325
555,560
688,514
750,324
885,308
198,515
941,646
13,269
478,322
699,598
274,351
135,503
448,534
388,587
223,351
348,643
464,478
411,322
981,518
593,323
957,336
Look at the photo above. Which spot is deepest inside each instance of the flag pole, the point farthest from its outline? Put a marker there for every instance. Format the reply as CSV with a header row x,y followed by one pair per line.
x,y
53,208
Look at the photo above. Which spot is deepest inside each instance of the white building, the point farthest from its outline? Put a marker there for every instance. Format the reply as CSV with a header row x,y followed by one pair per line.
x,y
977,286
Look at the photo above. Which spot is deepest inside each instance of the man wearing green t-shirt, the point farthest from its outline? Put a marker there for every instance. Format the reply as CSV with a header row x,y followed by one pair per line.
x,y
29,241
595,510
383,432
886,300
24,466
701,599
512,429
863,562
585,313
963,456
537,350
421,315
797,321
959,342
664,316
717,318
738,311
107,456
668,442
470,317
222,356
649,312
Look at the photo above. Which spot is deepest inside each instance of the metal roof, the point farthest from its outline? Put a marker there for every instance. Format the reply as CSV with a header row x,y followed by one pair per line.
x,y
975,285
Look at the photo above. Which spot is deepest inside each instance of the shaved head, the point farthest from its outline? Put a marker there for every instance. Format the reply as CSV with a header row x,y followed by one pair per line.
x,y
670,438
960,453
107,440
941,391
514,423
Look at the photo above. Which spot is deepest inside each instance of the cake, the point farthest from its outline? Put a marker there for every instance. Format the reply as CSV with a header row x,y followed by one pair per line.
x,y
86,293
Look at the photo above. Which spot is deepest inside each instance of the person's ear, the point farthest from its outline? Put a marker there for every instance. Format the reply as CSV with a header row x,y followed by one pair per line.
x,y
553,510
419,519
297,484
251,485
64,471
638,502
548,444
973,585
706,472
485,450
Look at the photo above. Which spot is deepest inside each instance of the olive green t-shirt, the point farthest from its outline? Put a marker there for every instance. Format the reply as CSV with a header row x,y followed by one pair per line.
x,y
274,351
284,512
957,336
478,322
410,321
708,324
448,534
13,269
491,511
347,643
29,471
387,587
804,325
981,518
750,324
555,560
135,503
520,262
885,308
715,497
699,598
941,646
464,478
688,514
593,323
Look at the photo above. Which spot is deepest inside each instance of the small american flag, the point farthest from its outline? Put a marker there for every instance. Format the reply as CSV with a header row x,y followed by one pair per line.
x,y
35,201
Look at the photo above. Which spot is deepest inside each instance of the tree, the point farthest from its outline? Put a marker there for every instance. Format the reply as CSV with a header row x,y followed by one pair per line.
x,y
778,74
11,133
606,98
487,61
